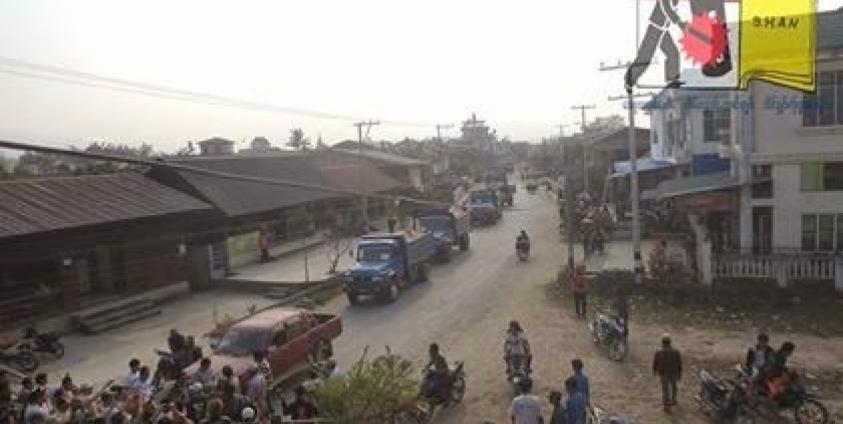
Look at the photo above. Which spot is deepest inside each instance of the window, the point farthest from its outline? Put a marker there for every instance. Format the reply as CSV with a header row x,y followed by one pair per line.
x,y
825,108
822,232
822,176
717,125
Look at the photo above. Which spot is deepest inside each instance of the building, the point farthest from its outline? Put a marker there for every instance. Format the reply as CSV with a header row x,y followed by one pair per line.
x,y
414,173
477,135
216,146
257,146
69,242
251,209
760,171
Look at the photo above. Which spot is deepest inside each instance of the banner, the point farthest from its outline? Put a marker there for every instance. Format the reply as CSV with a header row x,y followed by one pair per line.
x,y
724,44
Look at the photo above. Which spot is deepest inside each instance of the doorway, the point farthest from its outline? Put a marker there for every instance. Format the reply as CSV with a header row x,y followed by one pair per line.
x,y
762,229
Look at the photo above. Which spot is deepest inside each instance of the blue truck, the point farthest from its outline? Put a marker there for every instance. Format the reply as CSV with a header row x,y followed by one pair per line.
x,y
485,206
386,262
450,228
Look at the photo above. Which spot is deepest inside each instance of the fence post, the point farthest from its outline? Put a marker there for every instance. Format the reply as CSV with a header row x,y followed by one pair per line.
x,y
838,274
781,269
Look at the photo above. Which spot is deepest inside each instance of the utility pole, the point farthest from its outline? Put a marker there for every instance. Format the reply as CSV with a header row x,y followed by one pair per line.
x,y
633,179
569,199
583,108
364,201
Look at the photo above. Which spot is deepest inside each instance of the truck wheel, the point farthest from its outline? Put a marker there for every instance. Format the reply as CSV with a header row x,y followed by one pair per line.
x,y
423,269
465,242
353,298
392,292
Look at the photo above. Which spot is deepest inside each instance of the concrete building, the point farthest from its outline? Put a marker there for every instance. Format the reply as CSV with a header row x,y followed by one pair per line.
x,y
216,146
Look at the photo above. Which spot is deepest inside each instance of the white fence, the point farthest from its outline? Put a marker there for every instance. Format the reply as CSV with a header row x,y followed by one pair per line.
x,y
784,268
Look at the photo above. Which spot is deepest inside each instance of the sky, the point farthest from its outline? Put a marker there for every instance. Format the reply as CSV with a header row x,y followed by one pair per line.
x,y
520,65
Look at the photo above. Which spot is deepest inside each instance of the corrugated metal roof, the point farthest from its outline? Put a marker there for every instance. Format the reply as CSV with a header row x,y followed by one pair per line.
x,y
38,205
694,184
237,198
381,156
830,29
351,178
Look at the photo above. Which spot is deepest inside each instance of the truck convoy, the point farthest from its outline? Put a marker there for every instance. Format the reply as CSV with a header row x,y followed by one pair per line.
x,y
450,228
388,261
485,206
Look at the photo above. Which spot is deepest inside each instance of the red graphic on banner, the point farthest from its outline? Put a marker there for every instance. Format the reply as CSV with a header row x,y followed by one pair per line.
x,y
705,40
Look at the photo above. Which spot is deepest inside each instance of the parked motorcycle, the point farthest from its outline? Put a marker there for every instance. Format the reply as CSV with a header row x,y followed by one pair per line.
x,y
608,330
723,400
21,358
42,342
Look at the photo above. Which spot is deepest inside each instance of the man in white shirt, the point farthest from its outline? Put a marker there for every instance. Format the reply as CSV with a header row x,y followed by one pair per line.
x,y
205,374
526,408
132,377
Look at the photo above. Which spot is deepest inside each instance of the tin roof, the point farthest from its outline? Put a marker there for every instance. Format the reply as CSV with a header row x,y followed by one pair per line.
x,y
237,197
383,157
46,204
367,179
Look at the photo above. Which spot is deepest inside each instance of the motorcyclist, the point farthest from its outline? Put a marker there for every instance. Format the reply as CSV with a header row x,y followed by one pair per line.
x,y
760,356
522,241
516,345
438,375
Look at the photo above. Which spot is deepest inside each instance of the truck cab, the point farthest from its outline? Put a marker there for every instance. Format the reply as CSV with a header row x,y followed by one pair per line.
x,y
449,227
385,262
485,207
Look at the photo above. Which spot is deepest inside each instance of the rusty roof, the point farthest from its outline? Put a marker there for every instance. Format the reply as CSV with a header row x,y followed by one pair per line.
x,y
360,178
46,204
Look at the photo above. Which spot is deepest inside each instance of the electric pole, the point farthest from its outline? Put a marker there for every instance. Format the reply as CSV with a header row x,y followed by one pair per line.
x,y
583,108
569,198
364,201
633,178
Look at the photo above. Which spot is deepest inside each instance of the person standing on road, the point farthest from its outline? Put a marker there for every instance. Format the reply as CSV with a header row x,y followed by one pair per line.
x,y
667,364
580,288
576,409
621,307
582,380
526,407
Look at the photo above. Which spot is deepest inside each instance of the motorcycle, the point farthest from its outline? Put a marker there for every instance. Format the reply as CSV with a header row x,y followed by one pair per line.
x,y
517,372
722,399
21,358
42,342
429,400
608,330
522,249
806,407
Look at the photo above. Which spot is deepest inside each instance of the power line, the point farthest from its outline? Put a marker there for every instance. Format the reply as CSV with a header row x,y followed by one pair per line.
x,y
202,171
87,79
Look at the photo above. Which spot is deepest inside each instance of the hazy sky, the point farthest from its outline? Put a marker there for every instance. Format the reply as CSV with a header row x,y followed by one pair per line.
x,y
518,64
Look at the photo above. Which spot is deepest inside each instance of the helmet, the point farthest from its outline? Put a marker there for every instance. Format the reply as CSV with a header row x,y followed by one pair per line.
x,y
248,414
195,387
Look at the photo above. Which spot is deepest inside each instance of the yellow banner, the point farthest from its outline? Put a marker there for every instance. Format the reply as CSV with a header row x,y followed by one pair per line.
x,y
778,42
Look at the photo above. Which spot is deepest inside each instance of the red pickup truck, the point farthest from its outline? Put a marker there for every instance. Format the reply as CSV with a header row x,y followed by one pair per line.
x,y
289,337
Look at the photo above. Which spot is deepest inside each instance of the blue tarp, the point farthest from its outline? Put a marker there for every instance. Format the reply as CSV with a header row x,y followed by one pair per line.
x,y
709,163
644,164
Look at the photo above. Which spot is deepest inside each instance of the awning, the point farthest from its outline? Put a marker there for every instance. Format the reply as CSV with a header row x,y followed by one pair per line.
x,y
689,185
622,168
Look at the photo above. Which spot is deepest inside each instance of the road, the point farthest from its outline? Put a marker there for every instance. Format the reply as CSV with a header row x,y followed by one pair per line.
x,y
465,307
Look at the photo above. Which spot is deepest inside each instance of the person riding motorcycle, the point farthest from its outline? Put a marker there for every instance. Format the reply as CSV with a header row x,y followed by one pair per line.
x,y
522,241
516,345
438,375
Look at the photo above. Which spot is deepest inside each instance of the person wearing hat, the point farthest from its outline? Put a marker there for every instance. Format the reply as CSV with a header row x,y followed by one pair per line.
x,y
667,364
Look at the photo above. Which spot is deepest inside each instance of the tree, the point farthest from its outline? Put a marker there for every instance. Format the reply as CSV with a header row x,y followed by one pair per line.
x,y
338,240
187,150
605,124
380,390
297,140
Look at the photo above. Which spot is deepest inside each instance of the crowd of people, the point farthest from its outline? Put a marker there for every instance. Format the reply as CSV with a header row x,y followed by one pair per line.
x,y
203,395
